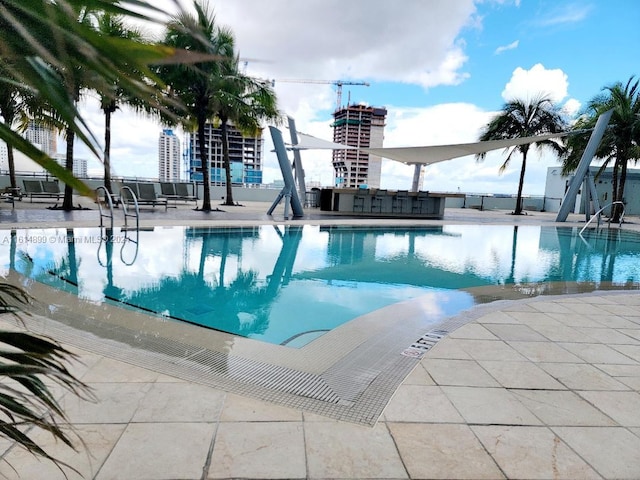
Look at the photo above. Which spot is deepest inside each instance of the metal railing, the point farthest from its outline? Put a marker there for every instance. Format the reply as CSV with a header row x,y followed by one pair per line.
x,y
599,212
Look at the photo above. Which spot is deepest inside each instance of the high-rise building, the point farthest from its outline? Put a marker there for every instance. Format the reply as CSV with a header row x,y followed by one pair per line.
x,y
168,156
44,136
358,126
79,164
245,155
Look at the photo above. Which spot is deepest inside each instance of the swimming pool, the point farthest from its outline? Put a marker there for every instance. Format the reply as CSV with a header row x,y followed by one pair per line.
x,y
290,284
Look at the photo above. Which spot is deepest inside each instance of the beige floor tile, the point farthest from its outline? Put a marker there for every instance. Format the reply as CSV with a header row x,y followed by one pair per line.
x,y
489,406
623,407
581,376
632,351
98,440
612,451
180,402
598,353
442,452
534,317
575,320
258,450
342,450
110,370
631,332
448,348
612,321
562,333
419,376
521,375
116,403
550,307
632,382
159,451
628,310
473,331
532,453
608,336
619,370
522,333
561,408
238,408
414,403
585,309
496,317
490,350
459,372
544,352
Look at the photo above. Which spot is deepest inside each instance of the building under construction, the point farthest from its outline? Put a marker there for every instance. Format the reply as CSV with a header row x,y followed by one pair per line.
x,y
358,126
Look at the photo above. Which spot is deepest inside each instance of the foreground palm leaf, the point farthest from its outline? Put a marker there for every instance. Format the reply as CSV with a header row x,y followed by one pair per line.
x,y
25,399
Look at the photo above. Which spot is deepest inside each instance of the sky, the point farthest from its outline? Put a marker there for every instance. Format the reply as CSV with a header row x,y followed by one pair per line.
x,y
441,68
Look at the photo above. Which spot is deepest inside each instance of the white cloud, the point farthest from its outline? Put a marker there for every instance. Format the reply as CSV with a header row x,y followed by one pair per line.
x,y
527,84
566,14
333,39
504,48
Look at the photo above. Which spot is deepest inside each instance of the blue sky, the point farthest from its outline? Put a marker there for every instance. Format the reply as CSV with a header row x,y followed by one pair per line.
x,y
442,68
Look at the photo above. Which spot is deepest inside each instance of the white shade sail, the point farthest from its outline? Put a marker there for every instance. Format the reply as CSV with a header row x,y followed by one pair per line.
x,y
428,154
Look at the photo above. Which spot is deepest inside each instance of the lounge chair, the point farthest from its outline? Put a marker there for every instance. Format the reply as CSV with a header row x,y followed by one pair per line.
x,y
42,189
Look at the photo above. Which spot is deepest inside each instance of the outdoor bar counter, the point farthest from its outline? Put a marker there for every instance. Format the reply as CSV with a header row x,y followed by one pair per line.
x,y
384,203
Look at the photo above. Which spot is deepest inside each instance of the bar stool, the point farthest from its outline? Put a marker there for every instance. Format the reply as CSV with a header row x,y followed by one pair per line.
x,y
377,200
400,199
419,202
358,200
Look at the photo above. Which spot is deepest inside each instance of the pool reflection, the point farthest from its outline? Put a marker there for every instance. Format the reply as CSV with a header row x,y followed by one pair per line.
x,y
288,284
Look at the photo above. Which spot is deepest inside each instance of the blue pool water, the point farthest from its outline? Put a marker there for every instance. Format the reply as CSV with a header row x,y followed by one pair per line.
x,y
289,284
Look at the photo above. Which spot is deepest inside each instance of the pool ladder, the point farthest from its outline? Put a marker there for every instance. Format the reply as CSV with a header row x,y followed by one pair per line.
x,y
104,237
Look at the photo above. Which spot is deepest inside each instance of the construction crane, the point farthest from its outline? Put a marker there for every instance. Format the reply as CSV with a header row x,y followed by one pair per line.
x,y
337,83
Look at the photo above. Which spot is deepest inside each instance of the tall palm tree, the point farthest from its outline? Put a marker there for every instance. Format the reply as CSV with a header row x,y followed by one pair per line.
x,y
12,109
114,26
621,141
246,102
195,85
525,118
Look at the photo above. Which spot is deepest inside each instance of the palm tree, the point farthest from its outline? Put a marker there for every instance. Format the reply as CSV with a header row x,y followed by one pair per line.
x,y
194,85
525,118
111,25
12,109
39,40
245,101
621,141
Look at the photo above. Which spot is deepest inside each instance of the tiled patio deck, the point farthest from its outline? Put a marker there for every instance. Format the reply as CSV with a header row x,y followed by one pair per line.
x,y
542,388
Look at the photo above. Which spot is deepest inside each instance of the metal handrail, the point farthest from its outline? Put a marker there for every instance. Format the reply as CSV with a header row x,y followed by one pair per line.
x,y
597,214
109,202
125,210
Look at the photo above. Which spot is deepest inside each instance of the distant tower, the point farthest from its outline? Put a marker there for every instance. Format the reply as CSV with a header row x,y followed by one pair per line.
x,y
245,155
79,164
44,136
169,157
358,126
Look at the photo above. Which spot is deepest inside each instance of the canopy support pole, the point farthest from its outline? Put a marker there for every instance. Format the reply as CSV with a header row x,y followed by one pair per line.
x,y
583,166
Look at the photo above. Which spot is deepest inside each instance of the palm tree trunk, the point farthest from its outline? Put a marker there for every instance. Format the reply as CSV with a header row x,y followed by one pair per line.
x,y
518,210
12,169
107,150
618,208
67,203
204,162
614,188
227,161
